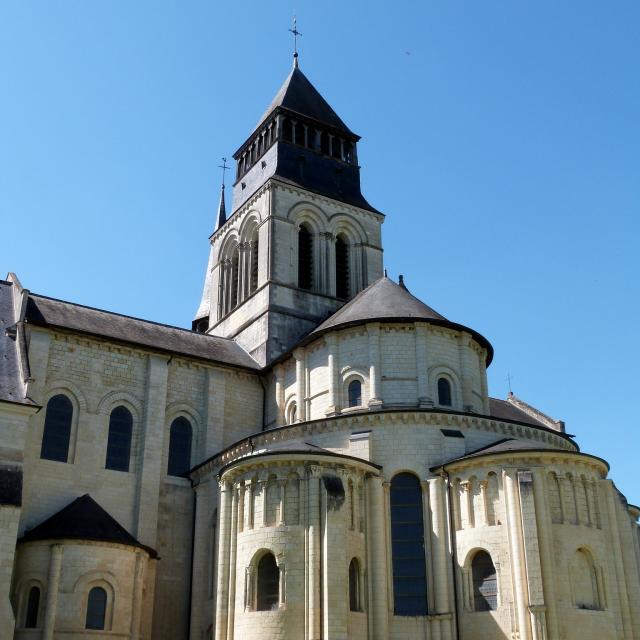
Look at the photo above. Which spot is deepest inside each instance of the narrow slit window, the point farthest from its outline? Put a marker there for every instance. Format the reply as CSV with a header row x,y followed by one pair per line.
x,y
342,268
119,442
305,258
33,608
57,429
354,585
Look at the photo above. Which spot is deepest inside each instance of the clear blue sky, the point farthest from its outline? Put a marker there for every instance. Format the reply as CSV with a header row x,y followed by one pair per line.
x,y
501,139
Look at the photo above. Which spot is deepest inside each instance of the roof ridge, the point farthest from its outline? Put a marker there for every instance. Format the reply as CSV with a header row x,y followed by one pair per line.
x,y
124,315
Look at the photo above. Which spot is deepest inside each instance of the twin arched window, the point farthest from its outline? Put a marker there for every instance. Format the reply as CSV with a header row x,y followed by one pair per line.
x,y
407,546
355,393
180,435
444,392
96,609
268,587
57,429
119,441
239,273
485,582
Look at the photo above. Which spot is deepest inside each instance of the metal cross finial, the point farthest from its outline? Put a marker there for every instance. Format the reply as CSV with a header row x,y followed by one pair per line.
x,y
508,379
296,33
224,168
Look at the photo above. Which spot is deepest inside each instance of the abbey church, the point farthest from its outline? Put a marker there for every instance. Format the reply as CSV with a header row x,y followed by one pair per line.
x,y
316,458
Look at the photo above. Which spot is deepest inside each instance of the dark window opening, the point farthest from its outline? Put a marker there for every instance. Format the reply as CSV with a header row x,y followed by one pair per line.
x,y
96,608
324,143
444,392
287,130
254,263
268,583
235,261
57,429
179,447
336,148
299,134
348,152
342,268
485,583
354,584
355,393
305,258
119,442
33,607
407,547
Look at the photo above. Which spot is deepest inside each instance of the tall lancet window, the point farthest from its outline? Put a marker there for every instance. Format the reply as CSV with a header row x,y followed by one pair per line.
x,y
235,263
342,268
254,262
407,547
305,258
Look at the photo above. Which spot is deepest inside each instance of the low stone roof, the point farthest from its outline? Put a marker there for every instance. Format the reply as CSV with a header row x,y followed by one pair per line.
x,y
50,312
386,301
297,94
504,410
11,386
84,519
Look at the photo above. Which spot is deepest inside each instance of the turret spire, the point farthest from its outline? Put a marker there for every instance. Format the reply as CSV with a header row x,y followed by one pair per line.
x,y
222,211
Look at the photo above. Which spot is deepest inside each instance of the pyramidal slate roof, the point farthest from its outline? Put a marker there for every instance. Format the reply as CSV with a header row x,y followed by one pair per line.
x,y
386,301
297,94
83,519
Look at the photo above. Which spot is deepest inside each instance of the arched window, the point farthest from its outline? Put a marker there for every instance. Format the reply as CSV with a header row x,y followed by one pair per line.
x,y
485,583
179,447
96,608
342,268
235,262
119,442
444,392
33,608
287,130
268,583
292,413
584,581
305,258
354,585
57,429
355,393
407,546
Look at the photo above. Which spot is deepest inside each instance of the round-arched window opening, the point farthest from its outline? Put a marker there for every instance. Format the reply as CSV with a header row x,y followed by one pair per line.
x,y
444,392
33,608
485,583
268,583
355,393
354,585
96,608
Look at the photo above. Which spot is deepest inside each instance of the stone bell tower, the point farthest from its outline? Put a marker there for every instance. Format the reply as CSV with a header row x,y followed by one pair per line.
x,y
300,239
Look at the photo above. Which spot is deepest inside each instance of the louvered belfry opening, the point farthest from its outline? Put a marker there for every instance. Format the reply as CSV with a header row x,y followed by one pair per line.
x,y
342,268
305,258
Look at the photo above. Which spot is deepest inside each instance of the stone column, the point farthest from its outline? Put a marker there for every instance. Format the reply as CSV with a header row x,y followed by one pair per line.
x,y
53,587
314,537
279,371
232,565
332,365
465,371
138,590
199,571
375,376
298,354
378,609
516,552
441,559
424,401
151,467
283,495
224,549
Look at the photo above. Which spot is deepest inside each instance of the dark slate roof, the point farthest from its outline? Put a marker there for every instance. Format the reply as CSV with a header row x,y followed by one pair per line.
x,y
386,301
50,312
83,519
506,411
297,94
11,387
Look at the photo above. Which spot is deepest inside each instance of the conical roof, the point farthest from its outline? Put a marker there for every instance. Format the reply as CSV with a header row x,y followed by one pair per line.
x,y
386,301
83,519
298,95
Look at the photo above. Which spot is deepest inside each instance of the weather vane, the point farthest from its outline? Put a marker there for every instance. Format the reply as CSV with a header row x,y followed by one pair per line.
x,y
296,33
224,168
